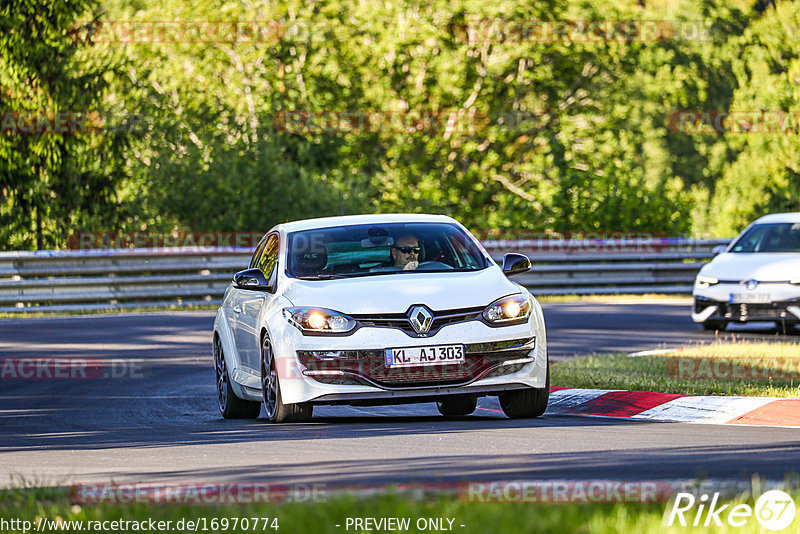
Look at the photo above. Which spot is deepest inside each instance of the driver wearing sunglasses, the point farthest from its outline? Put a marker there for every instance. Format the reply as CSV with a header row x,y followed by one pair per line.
x,y
405,252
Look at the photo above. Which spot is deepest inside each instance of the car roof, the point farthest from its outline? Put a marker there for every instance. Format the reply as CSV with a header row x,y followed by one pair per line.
x,y
327,222
793,217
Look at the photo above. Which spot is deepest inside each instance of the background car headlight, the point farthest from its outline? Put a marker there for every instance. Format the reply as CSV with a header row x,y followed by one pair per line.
x,y
319,320
703,281
512,309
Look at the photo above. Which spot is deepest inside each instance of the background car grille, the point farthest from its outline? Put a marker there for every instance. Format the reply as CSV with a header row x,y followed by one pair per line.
x,y
771,311
766,312
369,366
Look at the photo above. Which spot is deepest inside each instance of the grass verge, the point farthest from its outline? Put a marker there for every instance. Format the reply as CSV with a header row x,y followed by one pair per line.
x,y
721,368
332,515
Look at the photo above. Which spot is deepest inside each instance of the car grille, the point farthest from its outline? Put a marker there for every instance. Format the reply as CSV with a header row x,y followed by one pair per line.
x,y
505,370
745,312
369,366
402,322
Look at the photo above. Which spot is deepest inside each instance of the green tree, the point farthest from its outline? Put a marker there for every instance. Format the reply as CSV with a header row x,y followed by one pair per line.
x,y
765,176
554,133
51,183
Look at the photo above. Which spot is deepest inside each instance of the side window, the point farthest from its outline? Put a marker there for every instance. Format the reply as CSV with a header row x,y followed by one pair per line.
x,y
269,256
257,254
753,240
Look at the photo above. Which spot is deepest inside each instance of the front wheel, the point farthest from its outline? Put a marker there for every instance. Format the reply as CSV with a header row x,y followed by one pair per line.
x,y
526,403
714,325
276,410
230,406
786,328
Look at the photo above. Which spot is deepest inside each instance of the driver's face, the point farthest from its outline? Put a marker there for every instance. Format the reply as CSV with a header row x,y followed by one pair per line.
x,y
402,258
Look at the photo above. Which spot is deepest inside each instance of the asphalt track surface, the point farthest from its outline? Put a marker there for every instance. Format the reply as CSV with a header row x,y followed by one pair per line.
x,y
162,424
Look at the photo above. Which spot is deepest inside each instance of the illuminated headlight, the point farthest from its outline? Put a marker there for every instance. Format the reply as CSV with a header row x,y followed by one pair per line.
x,y
513,309
319,320
703,281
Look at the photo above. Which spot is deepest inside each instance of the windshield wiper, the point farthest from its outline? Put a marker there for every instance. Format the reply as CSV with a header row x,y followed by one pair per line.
x,y
323,277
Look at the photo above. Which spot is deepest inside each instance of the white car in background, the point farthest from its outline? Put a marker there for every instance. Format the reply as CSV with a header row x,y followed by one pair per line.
x,y
378,309
756,278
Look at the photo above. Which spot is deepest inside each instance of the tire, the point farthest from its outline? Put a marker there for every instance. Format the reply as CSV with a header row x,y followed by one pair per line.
x,y
230,406
457,405
276,410
714,325
786,328
526,403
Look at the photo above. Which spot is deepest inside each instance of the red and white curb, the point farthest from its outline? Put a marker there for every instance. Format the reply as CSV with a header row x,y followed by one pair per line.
x,y
671,407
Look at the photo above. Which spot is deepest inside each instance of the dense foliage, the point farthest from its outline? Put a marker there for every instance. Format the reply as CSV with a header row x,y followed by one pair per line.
x,y
528,134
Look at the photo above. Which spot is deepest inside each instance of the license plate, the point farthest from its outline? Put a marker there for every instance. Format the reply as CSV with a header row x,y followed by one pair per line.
x,y
431,355
749,298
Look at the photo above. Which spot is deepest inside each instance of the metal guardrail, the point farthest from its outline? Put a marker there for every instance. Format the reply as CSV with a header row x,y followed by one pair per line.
x,y
119,279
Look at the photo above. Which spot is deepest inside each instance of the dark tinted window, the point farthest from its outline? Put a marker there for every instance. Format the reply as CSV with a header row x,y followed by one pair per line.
x,y
367,249
776,237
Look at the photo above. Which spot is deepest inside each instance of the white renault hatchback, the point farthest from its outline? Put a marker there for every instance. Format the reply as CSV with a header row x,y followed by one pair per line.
x,y
378,309
756,278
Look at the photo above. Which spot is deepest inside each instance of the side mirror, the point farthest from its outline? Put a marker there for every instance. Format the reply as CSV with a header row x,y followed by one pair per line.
x,y
252,279
515,264
718,249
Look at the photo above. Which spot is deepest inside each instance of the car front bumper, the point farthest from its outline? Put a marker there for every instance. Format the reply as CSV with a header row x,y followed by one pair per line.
x,y
351,369
779,302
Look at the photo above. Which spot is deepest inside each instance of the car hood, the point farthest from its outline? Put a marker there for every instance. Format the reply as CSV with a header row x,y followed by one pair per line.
x,y
395,293
761,266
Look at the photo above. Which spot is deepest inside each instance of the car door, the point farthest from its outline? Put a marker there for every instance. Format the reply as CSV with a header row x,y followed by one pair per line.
x,y
249,303
233,302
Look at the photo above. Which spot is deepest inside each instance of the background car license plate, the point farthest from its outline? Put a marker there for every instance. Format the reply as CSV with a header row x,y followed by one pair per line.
x,y
433,355
749,298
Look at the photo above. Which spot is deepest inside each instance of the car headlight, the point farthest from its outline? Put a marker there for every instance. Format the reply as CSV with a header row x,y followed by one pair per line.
x,y
319,320
703,281
508,310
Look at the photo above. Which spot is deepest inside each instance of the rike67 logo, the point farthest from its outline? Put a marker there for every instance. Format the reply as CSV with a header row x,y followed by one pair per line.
x,y
774,510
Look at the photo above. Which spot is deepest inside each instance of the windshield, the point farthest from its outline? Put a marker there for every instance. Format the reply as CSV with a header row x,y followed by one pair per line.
x,y
374,249
776,237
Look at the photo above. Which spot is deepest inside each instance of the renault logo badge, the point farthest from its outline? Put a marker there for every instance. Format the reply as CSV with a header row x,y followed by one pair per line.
x,y
421,319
